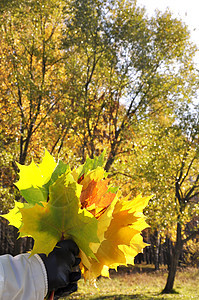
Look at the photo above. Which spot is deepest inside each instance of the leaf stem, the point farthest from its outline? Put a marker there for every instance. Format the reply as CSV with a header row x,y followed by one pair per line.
x,y
52,295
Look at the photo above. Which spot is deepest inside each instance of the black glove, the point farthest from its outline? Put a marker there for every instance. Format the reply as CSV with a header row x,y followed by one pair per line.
x,y
59,264
69,289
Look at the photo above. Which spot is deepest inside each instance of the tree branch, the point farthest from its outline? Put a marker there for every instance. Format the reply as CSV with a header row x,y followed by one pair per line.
x,y
188,169
188,194
191,236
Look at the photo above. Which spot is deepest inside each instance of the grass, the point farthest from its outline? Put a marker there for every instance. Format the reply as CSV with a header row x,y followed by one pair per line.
x,y
140,283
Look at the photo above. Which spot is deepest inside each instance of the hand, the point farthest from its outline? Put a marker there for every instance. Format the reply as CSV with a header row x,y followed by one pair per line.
x,y
59,267
69,289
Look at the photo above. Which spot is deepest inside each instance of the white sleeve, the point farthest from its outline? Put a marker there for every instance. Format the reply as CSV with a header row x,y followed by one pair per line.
x,y
22,278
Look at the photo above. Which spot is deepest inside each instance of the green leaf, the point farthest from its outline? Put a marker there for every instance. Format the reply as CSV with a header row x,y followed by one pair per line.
x,y
91,164
60,218
113,189
35,195
60,169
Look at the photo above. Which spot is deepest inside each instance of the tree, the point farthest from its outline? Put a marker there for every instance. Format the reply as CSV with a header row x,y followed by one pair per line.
x,y
167,158
89,70
31,68
186,193
129,66
31,79
78,77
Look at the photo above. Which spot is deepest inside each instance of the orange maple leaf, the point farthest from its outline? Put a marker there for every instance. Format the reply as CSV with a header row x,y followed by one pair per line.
x,y
96,193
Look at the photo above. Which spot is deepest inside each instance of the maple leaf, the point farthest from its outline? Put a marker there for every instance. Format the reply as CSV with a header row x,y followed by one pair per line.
x,y
14,216
121,240
32,178
36,175
35,179
32,185
80,205
60,218
95,195
89,165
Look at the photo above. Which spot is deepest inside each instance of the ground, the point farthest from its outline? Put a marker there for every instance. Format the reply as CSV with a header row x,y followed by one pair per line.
x,y
141,282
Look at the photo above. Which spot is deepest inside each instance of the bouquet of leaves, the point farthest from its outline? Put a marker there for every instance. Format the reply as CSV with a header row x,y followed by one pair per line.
x,y
81,205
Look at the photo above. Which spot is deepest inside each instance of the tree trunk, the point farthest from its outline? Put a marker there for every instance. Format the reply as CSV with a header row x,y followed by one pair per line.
x,y
156,250
29,244
168,255
17,242
174,261
110,161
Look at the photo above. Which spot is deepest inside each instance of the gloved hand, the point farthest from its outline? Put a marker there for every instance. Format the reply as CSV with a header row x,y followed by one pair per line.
x,y
64,292
59,267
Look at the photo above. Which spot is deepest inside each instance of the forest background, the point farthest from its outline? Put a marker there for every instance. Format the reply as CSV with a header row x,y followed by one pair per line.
x,y
78,77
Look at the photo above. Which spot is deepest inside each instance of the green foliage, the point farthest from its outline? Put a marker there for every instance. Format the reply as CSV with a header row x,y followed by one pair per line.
x,y
69,71
91,164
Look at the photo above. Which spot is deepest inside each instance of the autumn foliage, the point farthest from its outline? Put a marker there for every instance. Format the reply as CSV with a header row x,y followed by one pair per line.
x,y
82,205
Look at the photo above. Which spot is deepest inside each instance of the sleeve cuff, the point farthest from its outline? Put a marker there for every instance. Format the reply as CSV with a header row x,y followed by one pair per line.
x,y
43,271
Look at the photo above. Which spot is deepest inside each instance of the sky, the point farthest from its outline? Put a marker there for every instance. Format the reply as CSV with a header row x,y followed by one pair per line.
x,y
186,10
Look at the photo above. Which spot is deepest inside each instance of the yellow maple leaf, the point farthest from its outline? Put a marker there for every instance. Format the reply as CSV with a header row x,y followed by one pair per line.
x,y
14,216
121,241
36,175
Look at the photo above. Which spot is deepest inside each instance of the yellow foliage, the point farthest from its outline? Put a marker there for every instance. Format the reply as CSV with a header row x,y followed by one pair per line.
x,y
64,204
